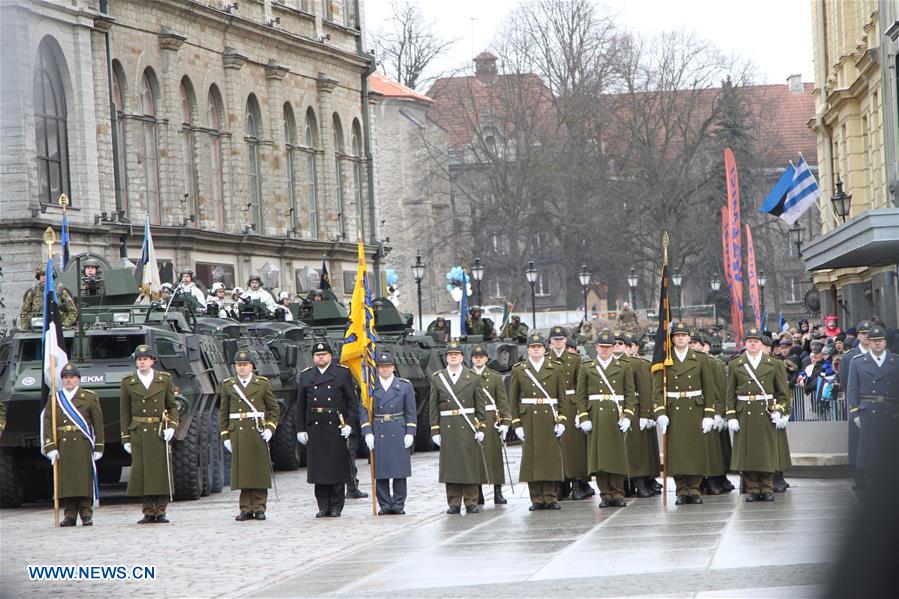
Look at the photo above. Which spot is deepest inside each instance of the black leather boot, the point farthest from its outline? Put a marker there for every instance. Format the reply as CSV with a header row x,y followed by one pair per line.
x,y
780,484
713,487
641,490
564,490
352,490
498,498
577,491
587,488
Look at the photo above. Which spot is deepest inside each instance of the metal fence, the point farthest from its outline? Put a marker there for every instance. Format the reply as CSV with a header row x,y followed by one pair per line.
x,y
806,408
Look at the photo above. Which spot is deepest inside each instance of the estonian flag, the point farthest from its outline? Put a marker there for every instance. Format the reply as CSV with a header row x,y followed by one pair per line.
x,y
793,194
65,241
54,352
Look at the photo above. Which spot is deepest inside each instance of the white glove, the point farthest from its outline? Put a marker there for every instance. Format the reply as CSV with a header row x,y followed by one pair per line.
x,y
502,429
559,429
733,425
127,447
624,424
303,438
719,423
775,418
707,424
267,435
644,424
227,444
519,432
436,440
407,441
97,455
370,441
858,422
479,436
662,422
577,424
52,456
587,426
651,423
345,430
782,423
167,434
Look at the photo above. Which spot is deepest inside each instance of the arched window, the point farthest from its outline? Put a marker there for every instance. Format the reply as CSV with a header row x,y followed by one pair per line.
x,y
357,177
290,140
311,139
189,164
51,135
118,121
338,169
254,172
215,158
151,146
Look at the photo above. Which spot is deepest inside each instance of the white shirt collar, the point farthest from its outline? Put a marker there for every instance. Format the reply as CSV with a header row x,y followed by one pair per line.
x,y
681,356
322,370
385,383
878,360
558,354
146,379
605,363
864,350
756,360
537,365
481,371
70,394
245,382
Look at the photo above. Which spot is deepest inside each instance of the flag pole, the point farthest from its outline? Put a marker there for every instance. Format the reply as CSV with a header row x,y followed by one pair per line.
x,y
49,238
371,459
665,379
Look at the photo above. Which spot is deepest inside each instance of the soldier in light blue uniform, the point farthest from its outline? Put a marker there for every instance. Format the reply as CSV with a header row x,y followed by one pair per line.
x,y
873,396
390,434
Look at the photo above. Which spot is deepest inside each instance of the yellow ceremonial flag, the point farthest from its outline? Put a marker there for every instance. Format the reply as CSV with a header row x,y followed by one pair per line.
x,y
359,341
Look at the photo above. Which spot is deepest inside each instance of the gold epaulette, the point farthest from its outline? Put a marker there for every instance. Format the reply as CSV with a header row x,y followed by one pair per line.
x,y
259,376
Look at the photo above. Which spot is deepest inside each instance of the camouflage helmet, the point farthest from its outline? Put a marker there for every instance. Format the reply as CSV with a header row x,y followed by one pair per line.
x,y
254,278
475,308
40,271
91,262
316,293
166,287
186,271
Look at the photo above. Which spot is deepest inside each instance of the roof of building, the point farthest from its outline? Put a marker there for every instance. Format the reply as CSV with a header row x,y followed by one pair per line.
x,y
381,84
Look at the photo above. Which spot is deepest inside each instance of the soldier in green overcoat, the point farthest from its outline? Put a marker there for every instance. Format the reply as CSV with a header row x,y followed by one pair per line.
x,y
605,410
498,420
718,467
149,420
574,446
757,392
537,400
784,461
639,438
687,404
720,428
458,423
248,417
643,384
79,443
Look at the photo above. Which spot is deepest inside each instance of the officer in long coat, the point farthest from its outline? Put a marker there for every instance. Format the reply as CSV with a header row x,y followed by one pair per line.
x,y
756,394
688,406
863,347
642,370
389,432
458,423
574,447
717,466
784,461
537,401
721,482
638,438
79,444
149,420
873,396
248,417
498,421
326,398
605,410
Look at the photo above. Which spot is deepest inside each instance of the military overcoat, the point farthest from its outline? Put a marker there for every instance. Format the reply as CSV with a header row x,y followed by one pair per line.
x,y
326,399
242,422
603,406
461,457
496,408
76,477
143,411
541,452
393,417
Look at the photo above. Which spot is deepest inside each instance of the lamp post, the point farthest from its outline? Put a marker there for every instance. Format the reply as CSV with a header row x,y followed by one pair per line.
x,y
418,271
632,280
763,280
584,278
477,273
677,278
716,285
841,201
531,274
797,233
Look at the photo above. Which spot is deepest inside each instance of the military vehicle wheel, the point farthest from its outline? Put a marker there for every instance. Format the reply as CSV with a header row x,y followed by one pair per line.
x,y
287,452
205,454
10,488
423,430
188,463
216,474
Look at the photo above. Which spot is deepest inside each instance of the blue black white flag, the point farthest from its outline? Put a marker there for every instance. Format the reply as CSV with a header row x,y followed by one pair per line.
x,y
794,193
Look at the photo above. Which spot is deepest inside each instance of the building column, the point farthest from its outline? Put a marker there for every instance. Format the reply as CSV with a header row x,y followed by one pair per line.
x,y
328,207
171,158
277,208
235,192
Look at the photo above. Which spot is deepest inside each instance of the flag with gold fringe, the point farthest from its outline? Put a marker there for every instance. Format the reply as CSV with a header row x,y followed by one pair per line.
x,y
360,341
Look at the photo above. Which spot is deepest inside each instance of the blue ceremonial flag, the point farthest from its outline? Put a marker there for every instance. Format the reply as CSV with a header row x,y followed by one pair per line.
x,y
65,240
324,281
793,194
782,323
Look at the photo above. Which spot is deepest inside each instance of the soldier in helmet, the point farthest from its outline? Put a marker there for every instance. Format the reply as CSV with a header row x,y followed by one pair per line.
x,y
440,329
165,296
33,302
215,301
79,443
284,306
479,325
190,290
255,292
91,281
248,418
516,330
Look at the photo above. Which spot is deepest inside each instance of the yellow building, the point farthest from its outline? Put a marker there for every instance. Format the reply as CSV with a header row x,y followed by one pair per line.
x,y
854,259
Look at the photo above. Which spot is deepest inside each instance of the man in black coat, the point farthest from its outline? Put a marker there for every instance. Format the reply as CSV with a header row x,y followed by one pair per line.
x,y
327,397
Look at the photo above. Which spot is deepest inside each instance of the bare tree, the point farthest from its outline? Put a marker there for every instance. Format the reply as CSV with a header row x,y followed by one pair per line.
x,y
408,45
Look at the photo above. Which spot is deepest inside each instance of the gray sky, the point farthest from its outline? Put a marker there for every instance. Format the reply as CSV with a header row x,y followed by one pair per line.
x,y
775,34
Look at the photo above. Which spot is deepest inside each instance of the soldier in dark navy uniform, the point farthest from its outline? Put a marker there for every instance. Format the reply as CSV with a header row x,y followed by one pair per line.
x,y
390,434
326,398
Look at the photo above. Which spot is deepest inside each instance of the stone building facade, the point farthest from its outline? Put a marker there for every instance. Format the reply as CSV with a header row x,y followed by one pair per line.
x,y
236,128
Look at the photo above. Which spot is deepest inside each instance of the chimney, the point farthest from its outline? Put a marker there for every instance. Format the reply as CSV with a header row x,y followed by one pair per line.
x,y
485,67
794,83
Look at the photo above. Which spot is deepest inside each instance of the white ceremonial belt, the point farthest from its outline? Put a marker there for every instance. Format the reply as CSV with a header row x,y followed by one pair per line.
x,y
569,391
456,412
760,397
600,396
490,408
674,394
538,401
244,415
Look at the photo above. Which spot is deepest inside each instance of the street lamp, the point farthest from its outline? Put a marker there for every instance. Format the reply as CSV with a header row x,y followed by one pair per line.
x,y
418,271
531,274
797,233
677,278
632,280
477,273
584,278
841,201
763,280
716,285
